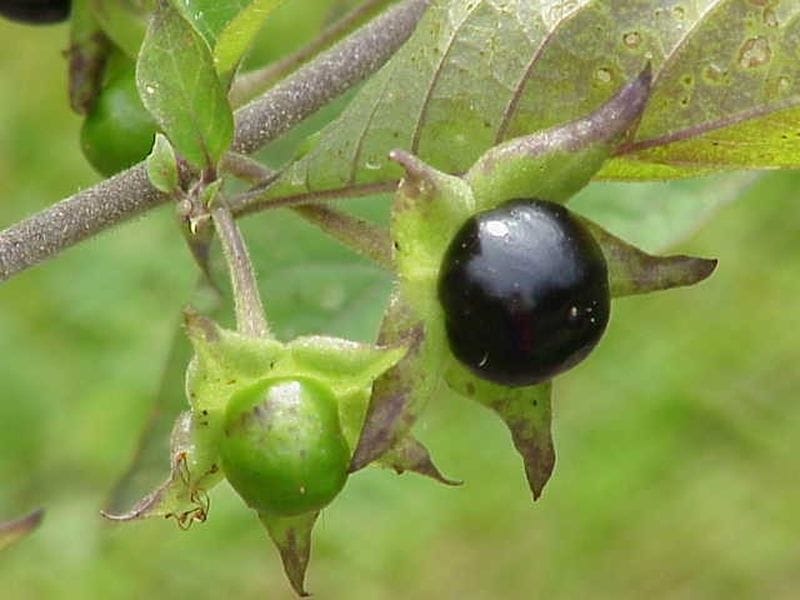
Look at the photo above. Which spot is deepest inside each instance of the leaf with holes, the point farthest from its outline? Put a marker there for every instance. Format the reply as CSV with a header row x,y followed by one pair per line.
x,y
726,89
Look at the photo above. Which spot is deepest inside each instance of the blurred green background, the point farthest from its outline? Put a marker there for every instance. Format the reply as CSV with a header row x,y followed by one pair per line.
x,y
677,441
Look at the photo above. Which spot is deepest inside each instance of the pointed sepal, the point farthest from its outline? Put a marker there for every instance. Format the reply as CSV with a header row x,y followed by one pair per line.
x,y
194,470
527,414
555,163
409,454
12,532
429,208
345,365
400,394
633,271
292,537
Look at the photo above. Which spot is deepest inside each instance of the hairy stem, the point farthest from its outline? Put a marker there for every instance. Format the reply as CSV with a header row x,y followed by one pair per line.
x,y
248,85
250,317
328,76
129,193
365,238
247,169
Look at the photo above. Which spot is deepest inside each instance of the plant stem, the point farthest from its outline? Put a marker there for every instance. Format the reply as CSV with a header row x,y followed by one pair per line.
x,y
247,169
129,193
248,85
368,239
363,237
250,317
325,78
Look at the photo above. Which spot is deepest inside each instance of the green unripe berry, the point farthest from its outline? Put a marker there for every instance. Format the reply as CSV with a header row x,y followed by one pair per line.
x,y
118,131
283,450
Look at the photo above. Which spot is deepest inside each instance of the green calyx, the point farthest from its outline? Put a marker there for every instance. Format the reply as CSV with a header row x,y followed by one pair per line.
x,y
231,373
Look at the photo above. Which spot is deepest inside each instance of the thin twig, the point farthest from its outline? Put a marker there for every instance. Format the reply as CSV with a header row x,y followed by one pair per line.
x,y
247,169
253,201
129,193
365,238
370,240
251,84
250,317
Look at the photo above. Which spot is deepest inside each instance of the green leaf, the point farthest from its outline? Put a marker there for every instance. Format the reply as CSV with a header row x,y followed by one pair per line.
x,y
728,90
238,34
123,21
178,84
12,532
478,73
228,27
162,167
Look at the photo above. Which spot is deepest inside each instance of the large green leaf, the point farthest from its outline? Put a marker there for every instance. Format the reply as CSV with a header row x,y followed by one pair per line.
x,y
228,27
726,90
178,84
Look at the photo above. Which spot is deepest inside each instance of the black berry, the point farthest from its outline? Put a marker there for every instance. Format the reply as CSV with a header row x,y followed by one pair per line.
x,y
35,11
524,288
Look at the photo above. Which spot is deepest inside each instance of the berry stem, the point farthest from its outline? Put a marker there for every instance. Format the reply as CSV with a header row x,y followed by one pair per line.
x,y
250,317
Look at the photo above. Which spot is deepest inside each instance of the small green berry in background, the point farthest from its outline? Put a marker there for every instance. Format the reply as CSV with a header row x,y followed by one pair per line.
x,y
355,232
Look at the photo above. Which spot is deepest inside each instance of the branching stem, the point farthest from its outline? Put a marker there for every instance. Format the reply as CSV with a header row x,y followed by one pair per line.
x,y
129,193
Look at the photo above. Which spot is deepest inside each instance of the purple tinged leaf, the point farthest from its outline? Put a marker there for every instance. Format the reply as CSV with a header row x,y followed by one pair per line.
x,y
292,537
632,271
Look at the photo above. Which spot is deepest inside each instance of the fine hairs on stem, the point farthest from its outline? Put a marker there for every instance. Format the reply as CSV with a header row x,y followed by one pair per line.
x,y
129,193
250,317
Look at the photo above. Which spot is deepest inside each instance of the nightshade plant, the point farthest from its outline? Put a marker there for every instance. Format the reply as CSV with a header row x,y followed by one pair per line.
x,y
487,103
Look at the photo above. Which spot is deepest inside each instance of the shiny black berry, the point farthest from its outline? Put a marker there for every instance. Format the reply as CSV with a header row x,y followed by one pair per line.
x,y
35,11
524,288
